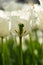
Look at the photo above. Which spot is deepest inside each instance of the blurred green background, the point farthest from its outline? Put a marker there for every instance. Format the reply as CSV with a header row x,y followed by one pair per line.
x,y
32,50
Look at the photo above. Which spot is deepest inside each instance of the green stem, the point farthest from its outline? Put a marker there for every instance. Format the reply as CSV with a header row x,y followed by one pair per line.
x,y
36,36
32,49
20,47
2,51
42,37
30,38
20,51
42,49
31,43
2,40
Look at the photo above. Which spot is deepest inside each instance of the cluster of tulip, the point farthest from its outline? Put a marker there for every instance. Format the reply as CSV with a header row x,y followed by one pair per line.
x,y
20,20
31,16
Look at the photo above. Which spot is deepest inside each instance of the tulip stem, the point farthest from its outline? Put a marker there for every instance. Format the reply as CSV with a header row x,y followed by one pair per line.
x,y
20,47
42,37
2,50
2,40
30,38
36,36
30,35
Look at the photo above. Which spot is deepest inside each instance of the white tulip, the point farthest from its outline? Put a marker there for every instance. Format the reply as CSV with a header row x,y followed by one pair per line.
x,y
39,11
41,2
40,16
37,7
23,18
4,24
11,6
39,33
27,7
36,52
34,20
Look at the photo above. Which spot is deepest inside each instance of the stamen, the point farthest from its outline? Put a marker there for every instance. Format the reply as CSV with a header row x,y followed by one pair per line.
x,y
24,31
16,31
21,28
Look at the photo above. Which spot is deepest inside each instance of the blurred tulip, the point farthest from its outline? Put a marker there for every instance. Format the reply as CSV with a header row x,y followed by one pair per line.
x,y
36,52
41,2
11,6
4,24
40,16
23,18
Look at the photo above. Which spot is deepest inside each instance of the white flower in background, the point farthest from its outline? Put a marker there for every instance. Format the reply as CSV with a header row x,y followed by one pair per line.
x,y
11,6
36,52
25,15
37,7
4,24
27,7
40,40
41,2
27,37
39,34
23,18
34,20
33,37
39,11
40,16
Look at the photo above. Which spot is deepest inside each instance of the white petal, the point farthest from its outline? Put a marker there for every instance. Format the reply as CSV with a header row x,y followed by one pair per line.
x,y
14,24
4,25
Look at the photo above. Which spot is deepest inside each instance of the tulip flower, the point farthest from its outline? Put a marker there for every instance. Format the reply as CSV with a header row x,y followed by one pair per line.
x,y
39,11
4,24
41,2
23,18
4,27
20,26
11,6
40,17
34,20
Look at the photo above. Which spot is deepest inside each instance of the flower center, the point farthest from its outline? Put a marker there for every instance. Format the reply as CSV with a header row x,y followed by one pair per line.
x,y
21,28
21,31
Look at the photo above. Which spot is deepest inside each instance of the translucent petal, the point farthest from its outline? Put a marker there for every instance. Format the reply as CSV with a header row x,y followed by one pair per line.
x,y
4,25
15,20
